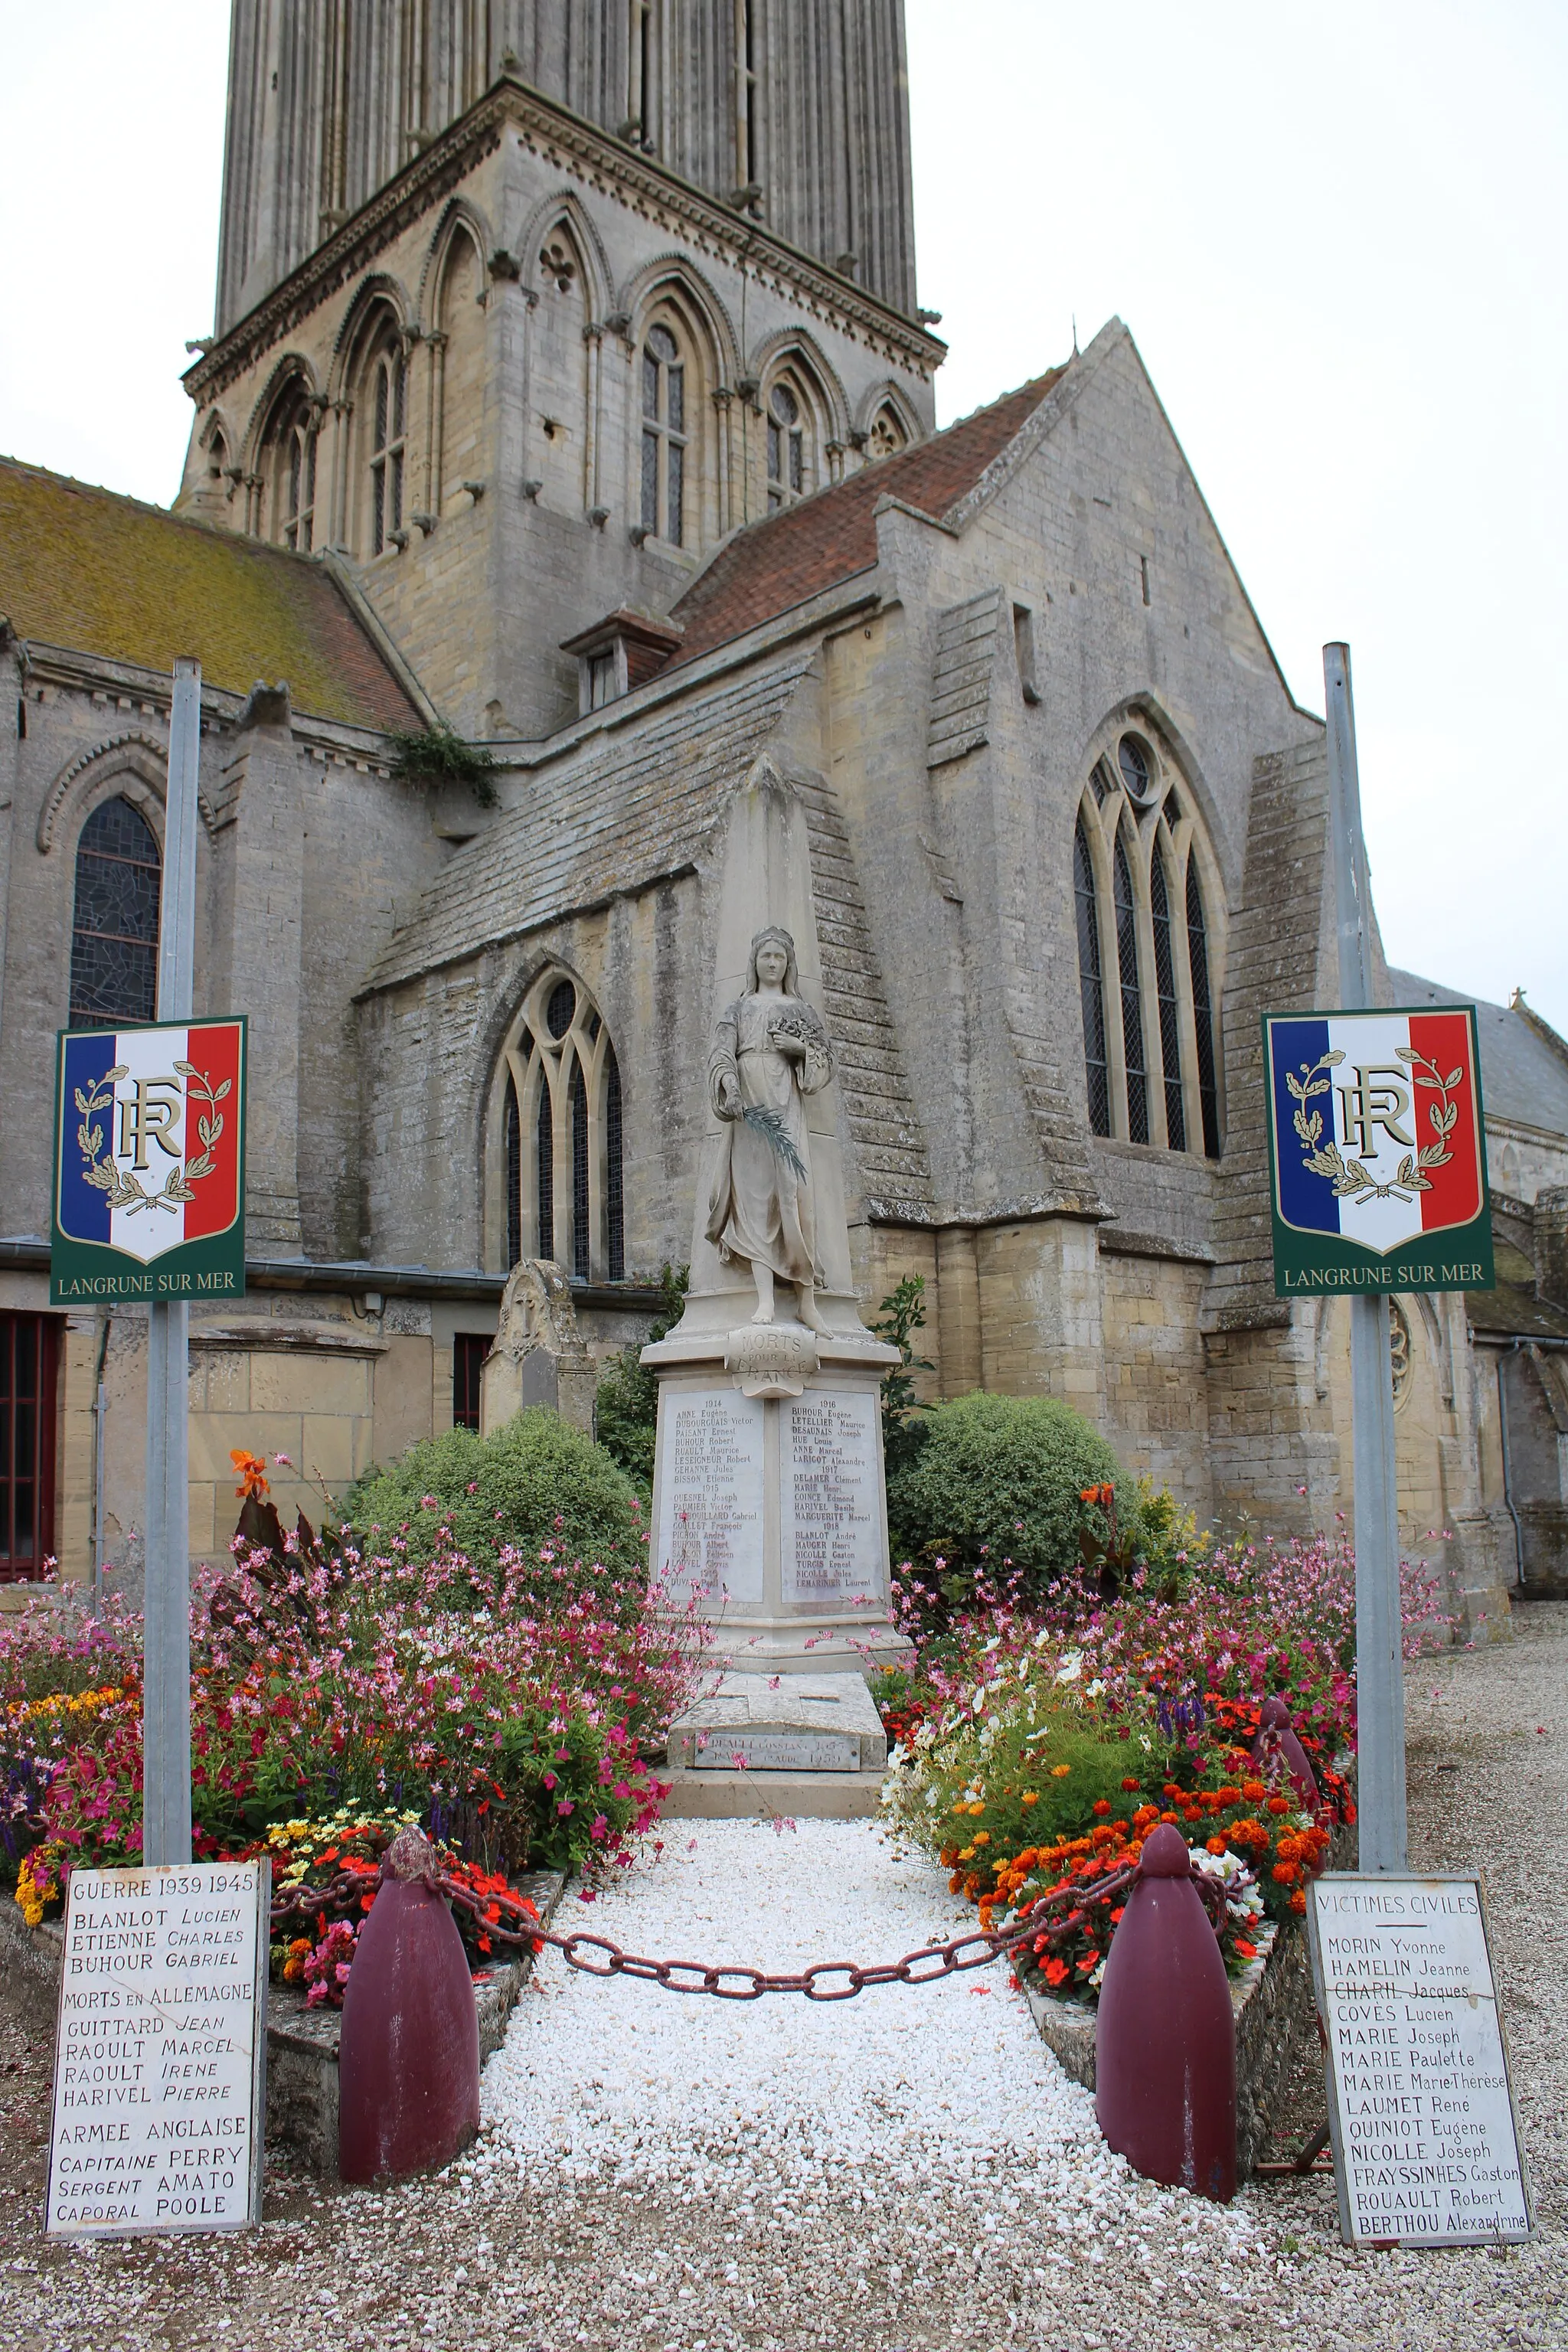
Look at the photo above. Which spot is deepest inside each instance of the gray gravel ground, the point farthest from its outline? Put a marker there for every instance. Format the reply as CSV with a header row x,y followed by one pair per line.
x,y
486,2259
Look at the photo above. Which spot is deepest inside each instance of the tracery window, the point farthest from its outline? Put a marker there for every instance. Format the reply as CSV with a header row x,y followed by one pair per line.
x,y
114,927
664,437
1149,1046
387,434
558,1146
290,472
787,446
887,436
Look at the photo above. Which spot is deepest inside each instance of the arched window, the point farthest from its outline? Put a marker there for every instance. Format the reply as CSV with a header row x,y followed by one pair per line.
x,y
787,446
1136,882
289,471
1202,1010
114,928
1165,994
664,437
1091,985
385,435
1132,1054
887,436
559,1085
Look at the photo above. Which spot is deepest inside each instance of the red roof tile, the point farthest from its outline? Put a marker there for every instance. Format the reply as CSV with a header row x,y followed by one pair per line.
x,y
789,557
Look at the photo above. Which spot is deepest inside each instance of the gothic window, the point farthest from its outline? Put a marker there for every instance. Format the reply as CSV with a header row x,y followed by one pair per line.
x,y
1165,994
1132,998
288,472
1202,1010
1136,883
388,407
887,436
1091,985
664,437
786,447
642,75
562,1190
114,928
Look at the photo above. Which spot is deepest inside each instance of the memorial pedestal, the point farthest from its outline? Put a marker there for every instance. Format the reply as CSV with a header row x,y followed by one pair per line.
x,y
769,1506
778,1745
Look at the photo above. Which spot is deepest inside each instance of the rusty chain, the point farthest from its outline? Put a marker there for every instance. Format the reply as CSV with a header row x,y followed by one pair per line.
x,y
927,1965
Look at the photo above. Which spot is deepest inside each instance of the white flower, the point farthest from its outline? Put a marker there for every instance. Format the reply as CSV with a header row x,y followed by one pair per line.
x,y
1071,1667
1096,1687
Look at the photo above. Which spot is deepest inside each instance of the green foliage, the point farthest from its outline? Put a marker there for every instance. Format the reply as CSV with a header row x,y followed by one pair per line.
x,y
996,1487
439,755
903,1314
534,1482
1169,1540
626,1409
1030,1771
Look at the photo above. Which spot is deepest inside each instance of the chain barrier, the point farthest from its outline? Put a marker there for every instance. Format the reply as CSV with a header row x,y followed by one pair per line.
x,y
735,1981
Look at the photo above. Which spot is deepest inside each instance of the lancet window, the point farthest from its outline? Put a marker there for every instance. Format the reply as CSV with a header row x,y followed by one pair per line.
x,y
288,472
1146,966
114,928
387,408
558,1153
664,437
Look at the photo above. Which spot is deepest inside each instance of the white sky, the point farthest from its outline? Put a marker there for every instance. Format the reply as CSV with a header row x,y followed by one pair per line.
x,y
1336,232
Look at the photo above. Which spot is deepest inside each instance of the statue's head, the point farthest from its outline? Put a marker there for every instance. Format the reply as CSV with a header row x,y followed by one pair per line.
x,y
773,959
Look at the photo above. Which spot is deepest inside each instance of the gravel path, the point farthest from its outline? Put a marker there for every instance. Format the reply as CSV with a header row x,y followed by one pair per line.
x,y
908,2170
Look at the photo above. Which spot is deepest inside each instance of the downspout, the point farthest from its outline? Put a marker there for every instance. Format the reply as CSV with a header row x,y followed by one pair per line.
x,y
1511,1350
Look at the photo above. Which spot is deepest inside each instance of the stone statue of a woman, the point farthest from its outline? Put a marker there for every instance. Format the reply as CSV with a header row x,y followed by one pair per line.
x,y
768,1049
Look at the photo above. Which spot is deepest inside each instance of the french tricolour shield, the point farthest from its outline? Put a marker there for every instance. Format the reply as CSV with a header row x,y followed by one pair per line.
x,y
149,1163
1377,1151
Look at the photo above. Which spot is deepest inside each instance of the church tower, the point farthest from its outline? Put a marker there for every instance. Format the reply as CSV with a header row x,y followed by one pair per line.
x,y
525,307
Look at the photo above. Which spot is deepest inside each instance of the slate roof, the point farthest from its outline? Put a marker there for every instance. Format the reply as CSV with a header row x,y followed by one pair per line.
x,y
609,815
1524,1074
99,574
790,557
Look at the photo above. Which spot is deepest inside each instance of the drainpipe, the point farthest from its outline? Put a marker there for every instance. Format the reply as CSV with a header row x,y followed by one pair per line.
x,y
99,1411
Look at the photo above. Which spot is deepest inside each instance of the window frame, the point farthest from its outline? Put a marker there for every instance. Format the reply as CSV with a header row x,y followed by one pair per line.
x,y
664,446
385,444
78,1016
544,1084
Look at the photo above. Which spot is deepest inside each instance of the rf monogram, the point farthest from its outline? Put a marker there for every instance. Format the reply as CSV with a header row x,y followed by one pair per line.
x,y
149,1114
1378,1098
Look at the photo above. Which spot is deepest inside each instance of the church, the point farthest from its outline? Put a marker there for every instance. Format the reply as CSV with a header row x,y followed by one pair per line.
x,y
562,476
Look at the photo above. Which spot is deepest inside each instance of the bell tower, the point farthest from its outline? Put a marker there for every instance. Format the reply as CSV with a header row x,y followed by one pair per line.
x,y
796,112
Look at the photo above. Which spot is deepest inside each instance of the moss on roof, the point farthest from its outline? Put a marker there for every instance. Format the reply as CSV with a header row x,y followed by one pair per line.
x,y
104,574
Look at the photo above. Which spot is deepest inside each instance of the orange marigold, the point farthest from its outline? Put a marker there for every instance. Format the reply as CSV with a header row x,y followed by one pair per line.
x,y
1279,1804
1254,1791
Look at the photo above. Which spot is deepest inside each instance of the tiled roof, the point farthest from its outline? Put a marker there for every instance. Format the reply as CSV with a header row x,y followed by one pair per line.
x,y
609,815
87,569
794,555
1523,1077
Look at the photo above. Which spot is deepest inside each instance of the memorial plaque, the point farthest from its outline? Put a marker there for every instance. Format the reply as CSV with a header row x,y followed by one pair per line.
x,y
776,1751
160,2050
1420,2111
830,1496
711,1495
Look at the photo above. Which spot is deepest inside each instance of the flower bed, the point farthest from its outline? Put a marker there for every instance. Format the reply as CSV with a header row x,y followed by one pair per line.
x,y
510,1706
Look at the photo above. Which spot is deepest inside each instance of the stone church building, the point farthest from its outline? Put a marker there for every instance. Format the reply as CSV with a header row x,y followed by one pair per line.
x,y
569,389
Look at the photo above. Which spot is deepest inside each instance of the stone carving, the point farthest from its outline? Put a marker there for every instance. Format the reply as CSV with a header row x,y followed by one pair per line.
x,y
768,1049
539,1357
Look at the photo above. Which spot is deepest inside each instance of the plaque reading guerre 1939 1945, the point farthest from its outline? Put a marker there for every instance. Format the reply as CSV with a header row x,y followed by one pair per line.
x,y
160,2050
1420,2111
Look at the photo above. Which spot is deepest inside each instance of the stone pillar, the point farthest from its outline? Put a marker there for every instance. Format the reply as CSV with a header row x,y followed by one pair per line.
x,y
539,1357
958,1368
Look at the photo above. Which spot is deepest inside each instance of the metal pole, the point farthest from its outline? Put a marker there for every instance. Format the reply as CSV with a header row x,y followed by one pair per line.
x,y
166,1690
1380,1658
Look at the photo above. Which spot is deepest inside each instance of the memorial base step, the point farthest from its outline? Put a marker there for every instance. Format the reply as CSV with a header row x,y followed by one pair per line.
x,y
770,1796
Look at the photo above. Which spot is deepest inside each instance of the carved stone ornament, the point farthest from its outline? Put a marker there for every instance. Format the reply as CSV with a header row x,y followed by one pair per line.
x,y
772,1360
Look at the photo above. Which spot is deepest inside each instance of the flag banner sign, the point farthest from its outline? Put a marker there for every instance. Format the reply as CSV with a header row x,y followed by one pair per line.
x,y
1377,1154
149,1163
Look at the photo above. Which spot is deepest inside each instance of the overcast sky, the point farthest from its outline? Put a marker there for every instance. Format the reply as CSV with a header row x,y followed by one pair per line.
x,y
1336,234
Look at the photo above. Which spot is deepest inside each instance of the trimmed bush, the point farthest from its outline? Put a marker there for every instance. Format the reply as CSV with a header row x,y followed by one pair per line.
x,y
536,1482
996,1486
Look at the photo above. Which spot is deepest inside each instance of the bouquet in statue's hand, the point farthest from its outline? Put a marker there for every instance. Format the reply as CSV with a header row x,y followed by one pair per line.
x,y
794,1027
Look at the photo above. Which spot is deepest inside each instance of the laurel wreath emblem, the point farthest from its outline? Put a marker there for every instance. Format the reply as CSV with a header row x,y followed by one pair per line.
x,y
124,1188
1351,1177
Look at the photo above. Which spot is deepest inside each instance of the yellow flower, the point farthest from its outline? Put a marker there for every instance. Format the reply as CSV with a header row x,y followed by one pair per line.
x,y
978,1809
1060,1772
1030,1797
982,1837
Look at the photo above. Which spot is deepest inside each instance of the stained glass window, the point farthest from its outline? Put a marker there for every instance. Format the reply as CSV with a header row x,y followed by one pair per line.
x,y
1202,1010
114,930
1165,988
576,1125
1092,987
513,1148
615,1191
1132,998
544,1173
786,447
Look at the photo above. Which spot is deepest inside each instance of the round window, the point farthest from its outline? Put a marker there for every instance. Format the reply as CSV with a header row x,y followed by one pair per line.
x,y
785,405
1136,762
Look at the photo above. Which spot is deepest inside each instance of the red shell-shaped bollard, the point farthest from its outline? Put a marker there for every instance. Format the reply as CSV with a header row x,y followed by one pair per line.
x,y
1165,2039
1274,1724
408,2060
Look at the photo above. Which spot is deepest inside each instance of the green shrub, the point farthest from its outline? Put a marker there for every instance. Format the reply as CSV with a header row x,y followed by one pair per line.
x,y
535,1481
996,1486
